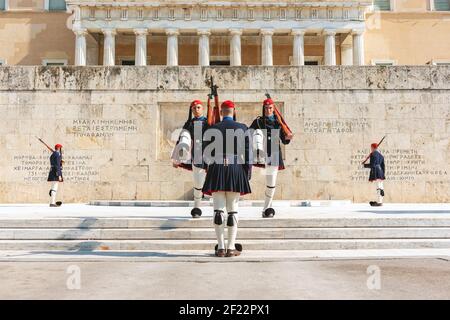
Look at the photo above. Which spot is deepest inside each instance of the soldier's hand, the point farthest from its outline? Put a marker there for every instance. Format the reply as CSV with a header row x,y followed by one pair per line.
x,y
289,136
60,179
175,163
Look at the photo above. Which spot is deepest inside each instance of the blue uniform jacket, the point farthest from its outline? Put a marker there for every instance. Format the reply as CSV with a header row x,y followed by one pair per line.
x,y
55,167
269,124
376,166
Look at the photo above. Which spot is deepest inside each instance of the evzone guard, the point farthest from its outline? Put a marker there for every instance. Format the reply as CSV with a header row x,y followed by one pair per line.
x,y
189,149
377,171
229,169
55,174
270,130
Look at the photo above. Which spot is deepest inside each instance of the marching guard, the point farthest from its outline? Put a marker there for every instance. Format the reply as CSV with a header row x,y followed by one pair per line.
x,y
267,147
377,172
55,174
228,175
189,149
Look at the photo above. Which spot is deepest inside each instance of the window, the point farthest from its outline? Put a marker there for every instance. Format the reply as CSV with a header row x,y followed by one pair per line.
x,y
2,62
203,14
330,14
383,62
3,4
382,5
219,61
124,14
442,5
440,62
219,14
92,14
127,62
250,14
156,14
235,14
56,5
345,14
171,14
54,62
298,14
266,14
187,13
283,14
140,14
310,60
108,14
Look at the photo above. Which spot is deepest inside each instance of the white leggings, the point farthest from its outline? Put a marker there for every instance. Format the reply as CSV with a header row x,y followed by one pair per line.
x,y
380,191
271,173
53,192
226,202
199,180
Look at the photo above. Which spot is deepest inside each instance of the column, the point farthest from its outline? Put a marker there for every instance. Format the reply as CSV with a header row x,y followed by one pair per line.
x,y
140,57
266,50
346,54
109,47
172,47
235,47
203,47
358,47
330,47
80,47
298,54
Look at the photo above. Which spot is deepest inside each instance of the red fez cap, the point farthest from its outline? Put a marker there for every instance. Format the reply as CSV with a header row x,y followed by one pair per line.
x,y
58,146
374,145
268,101
227,104
195,102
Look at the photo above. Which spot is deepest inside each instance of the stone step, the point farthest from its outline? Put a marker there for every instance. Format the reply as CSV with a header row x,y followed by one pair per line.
x,y
208,255
209,233
206,222
209,203
274,244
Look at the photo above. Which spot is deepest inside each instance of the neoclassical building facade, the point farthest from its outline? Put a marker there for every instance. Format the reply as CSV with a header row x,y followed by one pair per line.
x,y
183,32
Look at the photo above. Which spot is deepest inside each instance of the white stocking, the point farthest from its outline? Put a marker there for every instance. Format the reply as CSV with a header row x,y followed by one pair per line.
x,y
271,181
199,180
380,188
219,202
232,208
53,192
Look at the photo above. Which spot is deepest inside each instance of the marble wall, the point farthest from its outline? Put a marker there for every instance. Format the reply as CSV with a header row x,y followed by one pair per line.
x,y
118,125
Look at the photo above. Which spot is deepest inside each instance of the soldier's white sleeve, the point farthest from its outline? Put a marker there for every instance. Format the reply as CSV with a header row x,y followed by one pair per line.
x,y
182,151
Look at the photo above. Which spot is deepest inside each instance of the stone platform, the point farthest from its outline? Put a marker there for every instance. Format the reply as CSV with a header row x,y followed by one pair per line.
x,y
333,231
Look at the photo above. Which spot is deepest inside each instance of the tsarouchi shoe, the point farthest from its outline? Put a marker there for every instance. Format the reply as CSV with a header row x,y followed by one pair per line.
x,y
268,213
196,213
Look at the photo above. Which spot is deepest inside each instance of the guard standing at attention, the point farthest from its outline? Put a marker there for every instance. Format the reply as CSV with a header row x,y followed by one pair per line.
x,y
228,175
268,134
188,151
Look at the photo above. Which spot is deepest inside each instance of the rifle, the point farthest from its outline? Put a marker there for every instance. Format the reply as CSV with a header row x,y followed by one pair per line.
x,y
213,115
381,141
284,126
49,148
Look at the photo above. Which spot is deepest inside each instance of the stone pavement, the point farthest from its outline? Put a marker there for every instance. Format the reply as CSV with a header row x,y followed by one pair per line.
x,y
398,279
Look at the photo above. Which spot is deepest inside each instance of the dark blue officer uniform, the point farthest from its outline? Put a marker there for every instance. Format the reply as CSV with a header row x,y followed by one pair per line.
x,y
55,167
225,171
376,166
271,123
